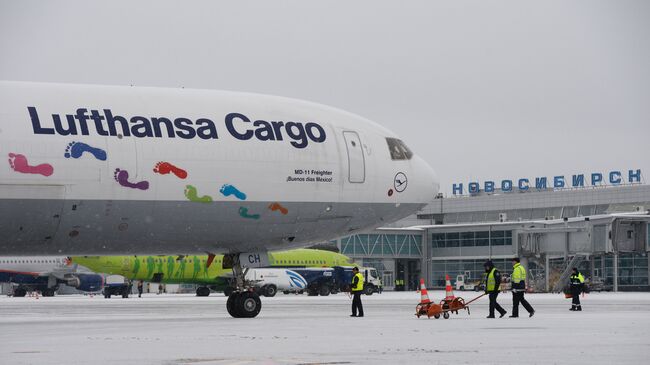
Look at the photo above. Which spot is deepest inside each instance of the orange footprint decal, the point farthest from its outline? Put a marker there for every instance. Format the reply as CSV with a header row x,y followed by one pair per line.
x,y
277,207
19,163
165,168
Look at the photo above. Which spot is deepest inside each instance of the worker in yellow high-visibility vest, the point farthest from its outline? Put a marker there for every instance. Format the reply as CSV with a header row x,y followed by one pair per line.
x,y
356,287
492,283
518,280
577,282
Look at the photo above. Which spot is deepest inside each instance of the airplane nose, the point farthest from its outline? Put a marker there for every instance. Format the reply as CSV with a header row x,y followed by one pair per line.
x,y
430,184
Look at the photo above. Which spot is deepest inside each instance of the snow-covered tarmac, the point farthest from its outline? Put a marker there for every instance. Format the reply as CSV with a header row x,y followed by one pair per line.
x,y
184,329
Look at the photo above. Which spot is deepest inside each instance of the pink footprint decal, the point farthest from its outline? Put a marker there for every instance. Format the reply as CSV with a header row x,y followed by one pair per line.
x,y
19,163
122,177
165,168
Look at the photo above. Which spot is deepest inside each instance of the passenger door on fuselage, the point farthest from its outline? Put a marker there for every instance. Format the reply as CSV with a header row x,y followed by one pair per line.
x,y
356,158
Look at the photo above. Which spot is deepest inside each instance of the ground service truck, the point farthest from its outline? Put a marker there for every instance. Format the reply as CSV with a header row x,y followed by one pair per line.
x,y
117,285
326,281
267,282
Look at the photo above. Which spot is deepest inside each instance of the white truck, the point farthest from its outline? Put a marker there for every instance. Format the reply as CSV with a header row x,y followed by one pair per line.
x,y
463,282
268,281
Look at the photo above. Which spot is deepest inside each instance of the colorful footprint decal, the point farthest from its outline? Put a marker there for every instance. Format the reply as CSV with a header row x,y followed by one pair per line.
x,y
228,190
191,195
19,163
243,212
165,168
77,149
274,207
122,177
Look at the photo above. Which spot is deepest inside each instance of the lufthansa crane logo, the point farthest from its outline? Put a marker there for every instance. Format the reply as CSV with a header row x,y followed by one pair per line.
x,y
400,182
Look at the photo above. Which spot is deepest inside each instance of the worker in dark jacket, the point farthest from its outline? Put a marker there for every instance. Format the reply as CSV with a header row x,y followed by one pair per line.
x,y
577,283
492,283
140,288
356,287
518,280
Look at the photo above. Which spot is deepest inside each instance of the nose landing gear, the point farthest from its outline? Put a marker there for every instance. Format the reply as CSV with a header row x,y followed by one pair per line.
x,y
243,302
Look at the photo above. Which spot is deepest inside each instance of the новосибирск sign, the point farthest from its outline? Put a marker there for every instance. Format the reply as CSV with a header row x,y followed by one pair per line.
x,y
557,182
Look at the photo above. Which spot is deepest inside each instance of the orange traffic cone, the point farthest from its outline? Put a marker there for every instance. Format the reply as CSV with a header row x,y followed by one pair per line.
x,y
424,295
449,295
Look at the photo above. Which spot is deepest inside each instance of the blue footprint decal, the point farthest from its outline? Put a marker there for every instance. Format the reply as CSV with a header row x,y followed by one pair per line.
x,y
243,212
228,190
77,149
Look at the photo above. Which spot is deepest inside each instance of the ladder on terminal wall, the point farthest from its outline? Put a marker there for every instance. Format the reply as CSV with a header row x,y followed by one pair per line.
x,y
564,278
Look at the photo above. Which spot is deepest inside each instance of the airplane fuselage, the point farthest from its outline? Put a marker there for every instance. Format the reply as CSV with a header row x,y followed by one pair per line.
x,y
193,269
106,170
45,273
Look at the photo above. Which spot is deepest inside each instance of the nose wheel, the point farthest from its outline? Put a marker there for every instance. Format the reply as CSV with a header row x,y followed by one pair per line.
x,y
243,302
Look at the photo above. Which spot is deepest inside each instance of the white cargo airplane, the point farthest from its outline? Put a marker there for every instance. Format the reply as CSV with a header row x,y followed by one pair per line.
x,y
45,274
109,170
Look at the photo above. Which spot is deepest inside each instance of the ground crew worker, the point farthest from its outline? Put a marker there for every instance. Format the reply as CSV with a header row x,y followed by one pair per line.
x,y
492,283
399,284
140,288
356,288
577,283
518,280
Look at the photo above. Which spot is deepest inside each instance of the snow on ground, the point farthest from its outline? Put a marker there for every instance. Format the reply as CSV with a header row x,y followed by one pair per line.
x,y
184,329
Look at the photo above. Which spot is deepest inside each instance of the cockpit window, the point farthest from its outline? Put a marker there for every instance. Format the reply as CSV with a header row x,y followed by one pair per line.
x,y
398,150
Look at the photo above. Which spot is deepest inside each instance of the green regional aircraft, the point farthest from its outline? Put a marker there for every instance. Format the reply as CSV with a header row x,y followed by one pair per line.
x,y
194,269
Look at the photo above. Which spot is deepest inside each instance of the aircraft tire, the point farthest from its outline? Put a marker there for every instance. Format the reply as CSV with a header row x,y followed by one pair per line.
x,y
202,291
20,292
48,292
249,305
231,305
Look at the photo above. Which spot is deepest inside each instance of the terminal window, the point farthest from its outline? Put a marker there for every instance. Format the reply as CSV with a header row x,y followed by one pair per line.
x,y
473,267
471,239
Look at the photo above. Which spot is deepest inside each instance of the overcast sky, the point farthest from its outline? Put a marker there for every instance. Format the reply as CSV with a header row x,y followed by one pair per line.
x,y
481,89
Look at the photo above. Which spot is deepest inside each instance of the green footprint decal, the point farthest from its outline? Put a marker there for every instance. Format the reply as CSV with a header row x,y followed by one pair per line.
x,y
191,195
243,212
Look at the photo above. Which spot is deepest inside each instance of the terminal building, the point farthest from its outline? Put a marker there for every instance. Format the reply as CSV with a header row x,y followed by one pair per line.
x,y
602,230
